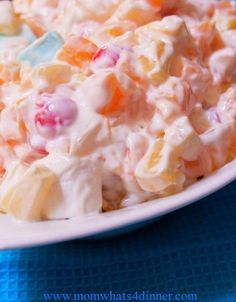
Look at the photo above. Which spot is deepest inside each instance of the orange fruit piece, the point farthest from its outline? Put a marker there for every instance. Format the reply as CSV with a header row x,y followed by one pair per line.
x,y
205,27
156,3
217,42
116,102
116,31
77,51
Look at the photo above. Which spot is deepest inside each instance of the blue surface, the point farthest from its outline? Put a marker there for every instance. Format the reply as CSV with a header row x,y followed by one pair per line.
x,y
190,251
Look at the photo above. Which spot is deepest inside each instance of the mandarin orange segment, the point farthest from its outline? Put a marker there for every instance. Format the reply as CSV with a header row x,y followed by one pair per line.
x,y
116,102
156,3
116,31
77,51
217,42
205,26
53,74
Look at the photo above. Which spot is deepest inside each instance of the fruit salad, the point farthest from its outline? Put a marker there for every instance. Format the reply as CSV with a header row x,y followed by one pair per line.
x,y
105,104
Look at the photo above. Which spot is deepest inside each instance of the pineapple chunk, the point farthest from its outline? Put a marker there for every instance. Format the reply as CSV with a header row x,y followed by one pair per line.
x,y
24,191
55,187
157,172
47,77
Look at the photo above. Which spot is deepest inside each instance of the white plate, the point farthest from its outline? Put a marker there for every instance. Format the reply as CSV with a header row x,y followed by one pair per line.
x,y
17,234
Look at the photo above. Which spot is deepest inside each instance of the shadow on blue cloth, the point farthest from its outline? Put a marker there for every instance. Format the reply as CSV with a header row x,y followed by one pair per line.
x,y
190,251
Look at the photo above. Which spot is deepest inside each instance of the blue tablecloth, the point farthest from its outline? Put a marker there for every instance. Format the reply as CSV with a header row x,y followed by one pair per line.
x,y
190,251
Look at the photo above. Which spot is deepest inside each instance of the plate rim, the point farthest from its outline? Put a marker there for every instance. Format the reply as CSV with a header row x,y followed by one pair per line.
x,y
108,222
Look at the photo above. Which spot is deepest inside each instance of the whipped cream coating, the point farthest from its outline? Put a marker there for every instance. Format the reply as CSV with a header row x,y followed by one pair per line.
x,y
109,103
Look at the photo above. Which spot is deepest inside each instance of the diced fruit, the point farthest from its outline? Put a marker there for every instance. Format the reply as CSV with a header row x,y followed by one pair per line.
x,y
48,76
163,5
115,101
110,98
157,172
77,51
24,191
42,50
77,189
156,3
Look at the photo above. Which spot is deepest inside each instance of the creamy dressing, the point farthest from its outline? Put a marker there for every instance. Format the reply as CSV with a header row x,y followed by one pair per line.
x,y
112,103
